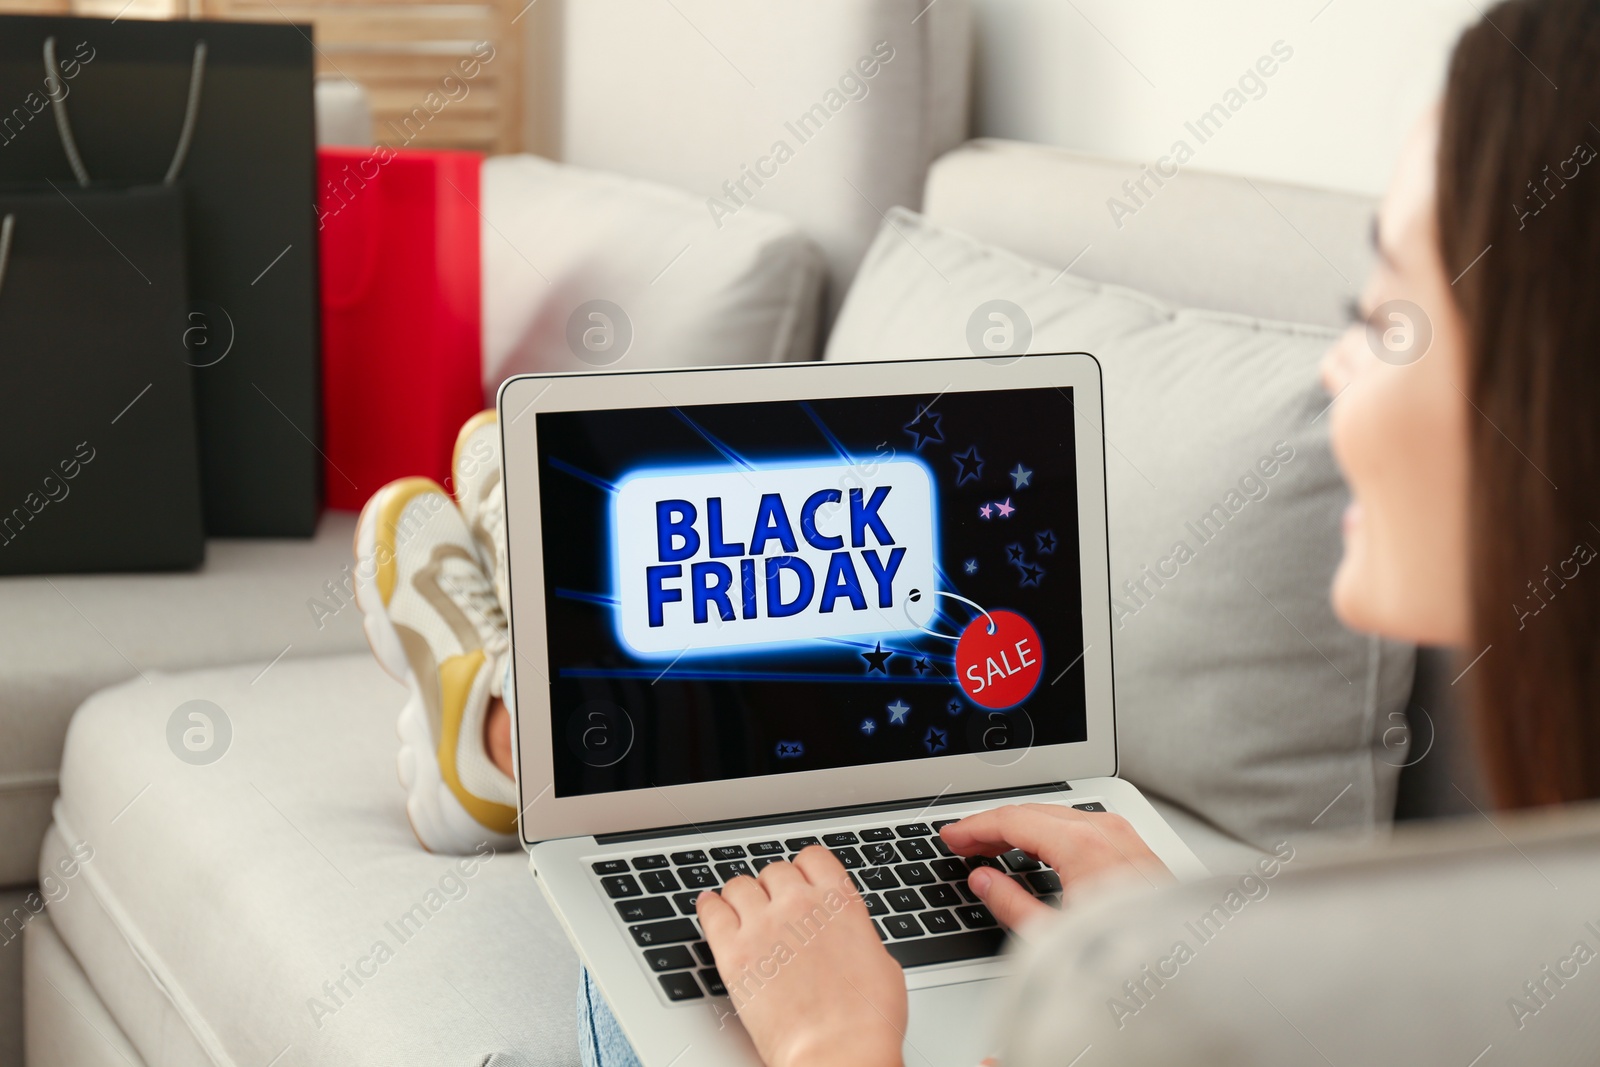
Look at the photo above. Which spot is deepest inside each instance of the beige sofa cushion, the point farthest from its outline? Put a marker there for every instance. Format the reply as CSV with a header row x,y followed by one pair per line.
x,y
1239,695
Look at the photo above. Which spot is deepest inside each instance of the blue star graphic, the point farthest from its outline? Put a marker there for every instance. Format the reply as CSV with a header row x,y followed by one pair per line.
x,y
1013,553
869,726
922,666
1031,573
969,465
1047,542
877,659
954,707
898,712
1021,477
935,739
924,428
970,566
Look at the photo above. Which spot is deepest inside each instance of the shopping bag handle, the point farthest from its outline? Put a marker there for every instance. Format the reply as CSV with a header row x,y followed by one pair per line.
x,y
7,224
191,111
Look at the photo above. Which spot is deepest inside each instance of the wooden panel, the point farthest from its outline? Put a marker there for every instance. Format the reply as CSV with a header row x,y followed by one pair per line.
x,y
33,7
410,54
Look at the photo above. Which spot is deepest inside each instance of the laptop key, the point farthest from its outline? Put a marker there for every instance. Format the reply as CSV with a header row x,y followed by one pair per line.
x,y
670,958
700,877
940,824
941,896
659,882
940,922
975,916
730,871
703,950
684,859
1093,805
914,873
879,927
728,852
882,833
968,945
611,867
916,850
1052,899
879,878
795,844
880,854
940,847
875,904
951,870
849,857
713,982
839,840
644,909
767,848
974,862
1045,881
902,926
913,829
680,985
968,895
1019,860
685,902
649,863
621,885
903,900
664,933
761,861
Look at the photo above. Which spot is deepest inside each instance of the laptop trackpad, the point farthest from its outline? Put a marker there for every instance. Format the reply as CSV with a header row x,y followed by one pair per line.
x,y
952,1025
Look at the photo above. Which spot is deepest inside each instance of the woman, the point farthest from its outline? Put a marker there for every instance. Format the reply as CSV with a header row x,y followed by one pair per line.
x,y
1472,473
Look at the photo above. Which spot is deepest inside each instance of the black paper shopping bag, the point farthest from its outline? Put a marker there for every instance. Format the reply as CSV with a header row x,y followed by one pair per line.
x,y
97,427
241,95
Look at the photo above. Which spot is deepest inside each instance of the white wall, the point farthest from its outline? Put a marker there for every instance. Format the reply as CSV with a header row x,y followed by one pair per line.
x,y
1119,78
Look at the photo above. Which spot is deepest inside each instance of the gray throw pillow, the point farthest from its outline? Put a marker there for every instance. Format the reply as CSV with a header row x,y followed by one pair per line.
x,y
1239,695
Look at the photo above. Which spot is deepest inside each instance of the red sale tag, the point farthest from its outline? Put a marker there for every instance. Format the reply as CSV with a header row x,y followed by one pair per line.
x,y
999,670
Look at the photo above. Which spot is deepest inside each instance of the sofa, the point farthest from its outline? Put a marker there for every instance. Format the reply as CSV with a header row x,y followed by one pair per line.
x,y
232,911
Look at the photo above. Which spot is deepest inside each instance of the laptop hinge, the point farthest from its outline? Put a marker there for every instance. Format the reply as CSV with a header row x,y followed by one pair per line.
x,y
832,813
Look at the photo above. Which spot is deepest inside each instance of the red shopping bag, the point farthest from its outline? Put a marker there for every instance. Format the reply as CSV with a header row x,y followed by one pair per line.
x,y
401,329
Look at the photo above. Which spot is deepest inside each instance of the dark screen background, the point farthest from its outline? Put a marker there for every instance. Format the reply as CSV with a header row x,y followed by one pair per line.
x,y
621,722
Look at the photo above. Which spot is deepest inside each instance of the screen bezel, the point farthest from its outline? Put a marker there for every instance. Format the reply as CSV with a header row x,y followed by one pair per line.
x,y
542,815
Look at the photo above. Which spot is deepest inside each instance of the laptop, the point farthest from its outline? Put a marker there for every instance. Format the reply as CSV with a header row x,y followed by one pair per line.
x,y
758,608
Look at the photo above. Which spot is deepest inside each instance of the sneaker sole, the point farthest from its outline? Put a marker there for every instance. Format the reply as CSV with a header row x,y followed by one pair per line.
x,y
437,818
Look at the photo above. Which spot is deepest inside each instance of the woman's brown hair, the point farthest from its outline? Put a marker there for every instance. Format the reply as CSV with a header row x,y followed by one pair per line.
x,y
1519,228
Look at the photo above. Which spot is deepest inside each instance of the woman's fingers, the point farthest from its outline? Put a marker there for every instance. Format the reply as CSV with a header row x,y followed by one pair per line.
x,y
1077,844
775,877
717,917
745,895
1039,830
821,867
1013,905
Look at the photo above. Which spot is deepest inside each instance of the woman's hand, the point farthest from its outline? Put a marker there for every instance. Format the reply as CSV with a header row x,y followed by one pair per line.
x,y
804,966
1080,845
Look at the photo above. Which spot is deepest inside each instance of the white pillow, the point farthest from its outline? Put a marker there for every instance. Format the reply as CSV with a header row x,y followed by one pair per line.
x,y
1239,695
558,239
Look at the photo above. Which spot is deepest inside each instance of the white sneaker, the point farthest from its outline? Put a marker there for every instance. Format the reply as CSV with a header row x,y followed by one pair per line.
x,y
475,469
434,622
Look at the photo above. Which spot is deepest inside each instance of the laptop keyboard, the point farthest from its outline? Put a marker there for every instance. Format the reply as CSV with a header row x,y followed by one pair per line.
x,y
914,888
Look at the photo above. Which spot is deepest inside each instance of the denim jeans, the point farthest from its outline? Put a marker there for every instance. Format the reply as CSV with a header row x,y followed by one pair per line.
x,y
600,1040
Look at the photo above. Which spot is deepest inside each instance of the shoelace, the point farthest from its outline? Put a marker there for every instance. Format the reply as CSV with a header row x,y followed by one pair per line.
x,y
472,590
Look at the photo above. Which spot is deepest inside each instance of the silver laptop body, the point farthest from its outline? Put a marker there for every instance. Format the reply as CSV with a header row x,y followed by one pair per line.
x,y
754,607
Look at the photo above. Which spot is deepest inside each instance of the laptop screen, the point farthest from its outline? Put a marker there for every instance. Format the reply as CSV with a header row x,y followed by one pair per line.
x,y
762,588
